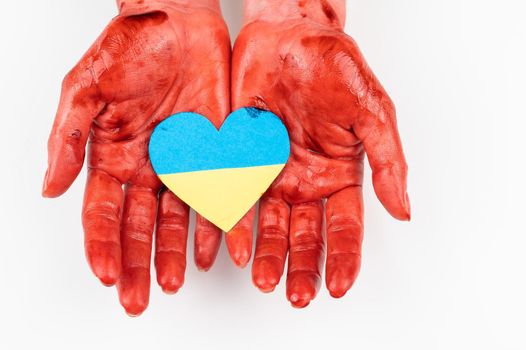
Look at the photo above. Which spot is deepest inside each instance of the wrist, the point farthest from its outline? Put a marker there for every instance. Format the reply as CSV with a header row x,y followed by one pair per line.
x,y
331,12
133,7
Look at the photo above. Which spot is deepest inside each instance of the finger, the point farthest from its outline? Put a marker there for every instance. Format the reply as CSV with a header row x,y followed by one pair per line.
x,y
306,253
239,239
101,217
138,221
271,244
207,242
79,105
170,242
379,133
344,218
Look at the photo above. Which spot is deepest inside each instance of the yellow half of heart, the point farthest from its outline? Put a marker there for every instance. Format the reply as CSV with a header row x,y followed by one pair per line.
x,y
222,196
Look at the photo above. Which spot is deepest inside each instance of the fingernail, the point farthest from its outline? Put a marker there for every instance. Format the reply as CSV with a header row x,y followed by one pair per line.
x,y
407,207
297,302
265,275
44,185
265,283
301,289
239,252
203,264
241,258
170,284
107,271
339,283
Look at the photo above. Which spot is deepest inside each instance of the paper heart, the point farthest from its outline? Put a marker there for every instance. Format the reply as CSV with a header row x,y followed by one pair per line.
x,y
220,174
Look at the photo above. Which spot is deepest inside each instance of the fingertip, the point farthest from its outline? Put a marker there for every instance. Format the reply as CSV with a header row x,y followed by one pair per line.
x,y
339,283
105,263
170,273
338,294
170,286
266,274
390,187
240,257
298,303
239,244
52,193
206,244
50,189
170,289
407,208
64,165
302,288
239,239
46,193
134,291
400,209
265,284
108,274
107,280
203,267
204,261
341,273
132,315
134,310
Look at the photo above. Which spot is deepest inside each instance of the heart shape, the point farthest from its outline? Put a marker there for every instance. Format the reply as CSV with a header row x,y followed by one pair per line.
x,y
220,174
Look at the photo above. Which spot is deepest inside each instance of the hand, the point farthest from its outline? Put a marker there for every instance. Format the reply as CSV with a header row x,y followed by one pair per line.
x,y
157,58
293,59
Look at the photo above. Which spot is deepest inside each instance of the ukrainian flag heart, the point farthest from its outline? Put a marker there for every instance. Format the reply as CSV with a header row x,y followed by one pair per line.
x,y
220,174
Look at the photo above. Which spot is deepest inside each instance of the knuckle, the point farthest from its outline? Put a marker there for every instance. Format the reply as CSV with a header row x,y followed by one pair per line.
x,y
172,222
273,232
107,211
137,233
308,247
344,224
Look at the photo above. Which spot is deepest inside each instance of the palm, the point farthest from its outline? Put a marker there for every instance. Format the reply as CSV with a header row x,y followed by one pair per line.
x,y
314,77
142,69
146,78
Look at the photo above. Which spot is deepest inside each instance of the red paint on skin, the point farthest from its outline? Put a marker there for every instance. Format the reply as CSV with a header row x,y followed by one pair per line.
x,y
300,65
328,11
149,63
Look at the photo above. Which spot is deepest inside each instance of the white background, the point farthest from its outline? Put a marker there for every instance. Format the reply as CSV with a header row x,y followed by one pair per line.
x,y
453,278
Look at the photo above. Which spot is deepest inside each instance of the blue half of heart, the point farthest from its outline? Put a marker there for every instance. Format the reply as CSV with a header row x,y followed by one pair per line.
x,y
189,142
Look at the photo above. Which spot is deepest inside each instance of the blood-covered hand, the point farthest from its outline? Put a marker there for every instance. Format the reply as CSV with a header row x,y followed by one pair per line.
x,y
293,58
157,58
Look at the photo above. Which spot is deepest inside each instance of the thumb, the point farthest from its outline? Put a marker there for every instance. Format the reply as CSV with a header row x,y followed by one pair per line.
x,y
379,134
79,105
